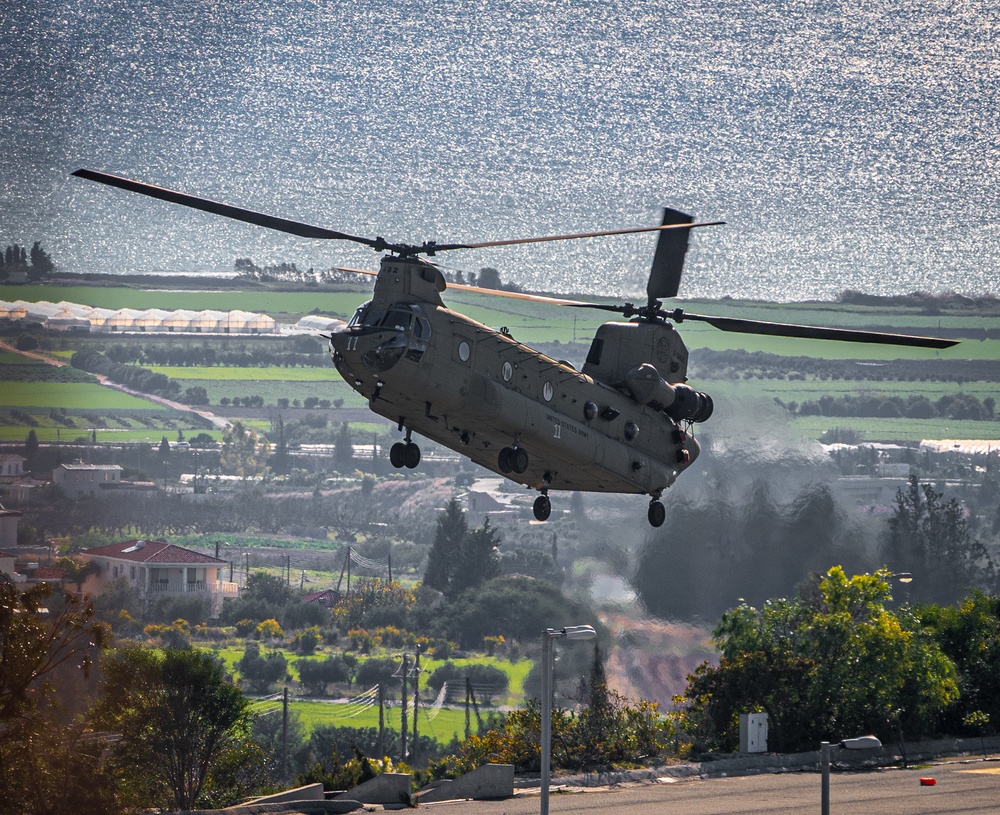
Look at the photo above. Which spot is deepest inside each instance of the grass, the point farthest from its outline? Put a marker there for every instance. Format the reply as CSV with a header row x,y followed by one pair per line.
x,y
532,323
875,429
275,303
442,725
67,395
324,374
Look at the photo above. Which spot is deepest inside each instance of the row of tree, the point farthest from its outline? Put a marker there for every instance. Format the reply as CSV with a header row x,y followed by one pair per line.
x,y
739,364
132,376
949,406
304,351
36,264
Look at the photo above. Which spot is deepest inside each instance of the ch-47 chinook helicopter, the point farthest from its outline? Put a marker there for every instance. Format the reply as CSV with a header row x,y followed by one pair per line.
x,y
621,425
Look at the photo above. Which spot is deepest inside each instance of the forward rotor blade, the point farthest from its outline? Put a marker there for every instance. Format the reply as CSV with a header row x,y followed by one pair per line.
x,y
216,208
811,332
516,295
368,272
572,237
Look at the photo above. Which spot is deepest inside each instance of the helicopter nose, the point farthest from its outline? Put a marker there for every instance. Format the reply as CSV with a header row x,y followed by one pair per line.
x,y
361,349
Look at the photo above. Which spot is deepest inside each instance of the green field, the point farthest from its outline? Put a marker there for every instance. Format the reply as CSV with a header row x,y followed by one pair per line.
x,y
876,429
275,303
442,724
529,322
68,395
323,374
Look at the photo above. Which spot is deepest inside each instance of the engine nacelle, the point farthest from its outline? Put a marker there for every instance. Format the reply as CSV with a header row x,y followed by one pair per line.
x,y
677,401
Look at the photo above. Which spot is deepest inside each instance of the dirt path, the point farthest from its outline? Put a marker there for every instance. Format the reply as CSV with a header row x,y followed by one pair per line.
x,y
217,421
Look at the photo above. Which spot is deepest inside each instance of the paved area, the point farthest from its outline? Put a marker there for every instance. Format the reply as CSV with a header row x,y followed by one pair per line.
x,y
969,787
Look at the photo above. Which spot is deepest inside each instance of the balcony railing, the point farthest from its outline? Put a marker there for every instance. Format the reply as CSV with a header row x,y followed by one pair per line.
x,y
198,587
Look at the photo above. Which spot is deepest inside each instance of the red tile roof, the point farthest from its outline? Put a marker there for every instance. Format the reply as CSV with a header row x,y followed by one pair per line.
x,y
151,552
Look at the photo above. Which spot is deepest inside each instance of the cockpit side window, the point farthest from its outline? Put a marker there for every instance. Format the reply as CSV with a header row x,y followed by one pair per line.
x,y
399,319
359,315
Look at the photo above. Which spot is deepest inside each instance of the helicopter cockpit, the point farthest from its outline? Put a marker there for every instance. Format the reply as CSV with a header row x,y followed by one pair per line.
x,y
410,329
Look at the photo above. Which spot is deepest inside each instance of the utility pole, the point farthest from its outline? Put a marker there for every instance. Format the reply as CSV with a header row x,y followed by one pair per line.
x,y
402,750
381,719
416,705
468,703
284,734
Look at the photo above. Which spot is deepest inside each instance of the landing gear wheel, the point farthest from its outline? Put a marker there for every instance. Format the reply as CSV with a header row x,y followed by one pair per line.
x,y
505,461
657,514
396,454
542,508
411,455
519,460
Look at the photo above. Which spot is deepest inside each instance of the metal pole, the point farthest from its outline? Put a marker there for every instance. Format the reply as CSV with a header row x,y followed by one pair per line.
x,y
546,717
824,767
381,719
416,706
402,749
284,733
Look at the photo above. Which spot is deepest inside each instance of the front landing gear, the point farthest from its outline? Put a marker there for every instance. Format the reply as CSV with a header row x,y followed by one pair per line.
x,y
404,453
657,514
542,507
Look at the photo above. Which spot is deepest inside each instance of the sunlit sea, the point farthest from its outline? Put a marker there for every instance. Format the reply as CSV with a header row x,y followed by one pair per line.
x,y
850,145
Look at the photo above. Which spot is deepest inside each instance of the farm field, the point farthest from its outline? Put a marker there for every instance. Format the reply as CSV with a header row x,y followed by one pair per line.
x,y
528,322
276,303
68,395
441,724
516,672
876,429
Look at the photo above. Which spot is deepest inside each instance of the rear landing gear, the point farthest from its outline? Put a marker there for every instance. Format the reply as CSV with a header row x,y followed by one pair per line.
x,y
657,514
542,508
513,460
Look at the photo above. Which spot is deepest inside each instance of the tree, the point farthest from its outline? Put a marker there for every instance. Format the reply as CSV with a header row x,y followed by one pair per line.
x,y
41,263
164,448
930,538
47,645
452,527
178,714
259,673
969,633
343,449
30,445
832,661
32,646
316,674
461,558
243,451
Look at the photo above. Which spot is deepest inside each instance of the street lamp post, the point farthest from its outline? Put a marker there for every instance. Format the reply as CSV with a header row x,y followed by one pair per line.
x,y
570,632
860,743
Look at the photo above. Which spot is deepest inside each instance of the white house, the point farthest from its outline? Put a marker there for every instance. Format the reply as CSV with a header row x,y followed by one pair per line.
x,y
86,479
8,527
156,568
11,466
7,560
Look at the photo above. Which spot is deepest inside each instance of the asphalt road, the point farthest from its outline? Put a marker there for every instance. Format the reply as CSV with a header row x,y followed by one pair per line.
x,y
965,787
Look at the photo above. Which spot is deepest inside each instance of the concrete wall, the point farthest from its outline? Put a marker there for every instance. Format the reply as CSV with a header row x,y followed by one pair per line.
x,y
489,782
388,788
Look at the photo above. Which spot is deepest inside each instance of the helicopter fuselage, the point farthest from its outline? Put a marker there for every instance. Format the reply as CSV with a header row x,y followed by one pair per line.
x,y
501,403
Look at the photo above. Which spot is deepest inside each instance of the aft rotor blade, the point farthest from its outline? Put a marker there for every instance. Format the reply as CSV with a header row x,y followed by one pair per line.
x,y
216,208
811,332
441,247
